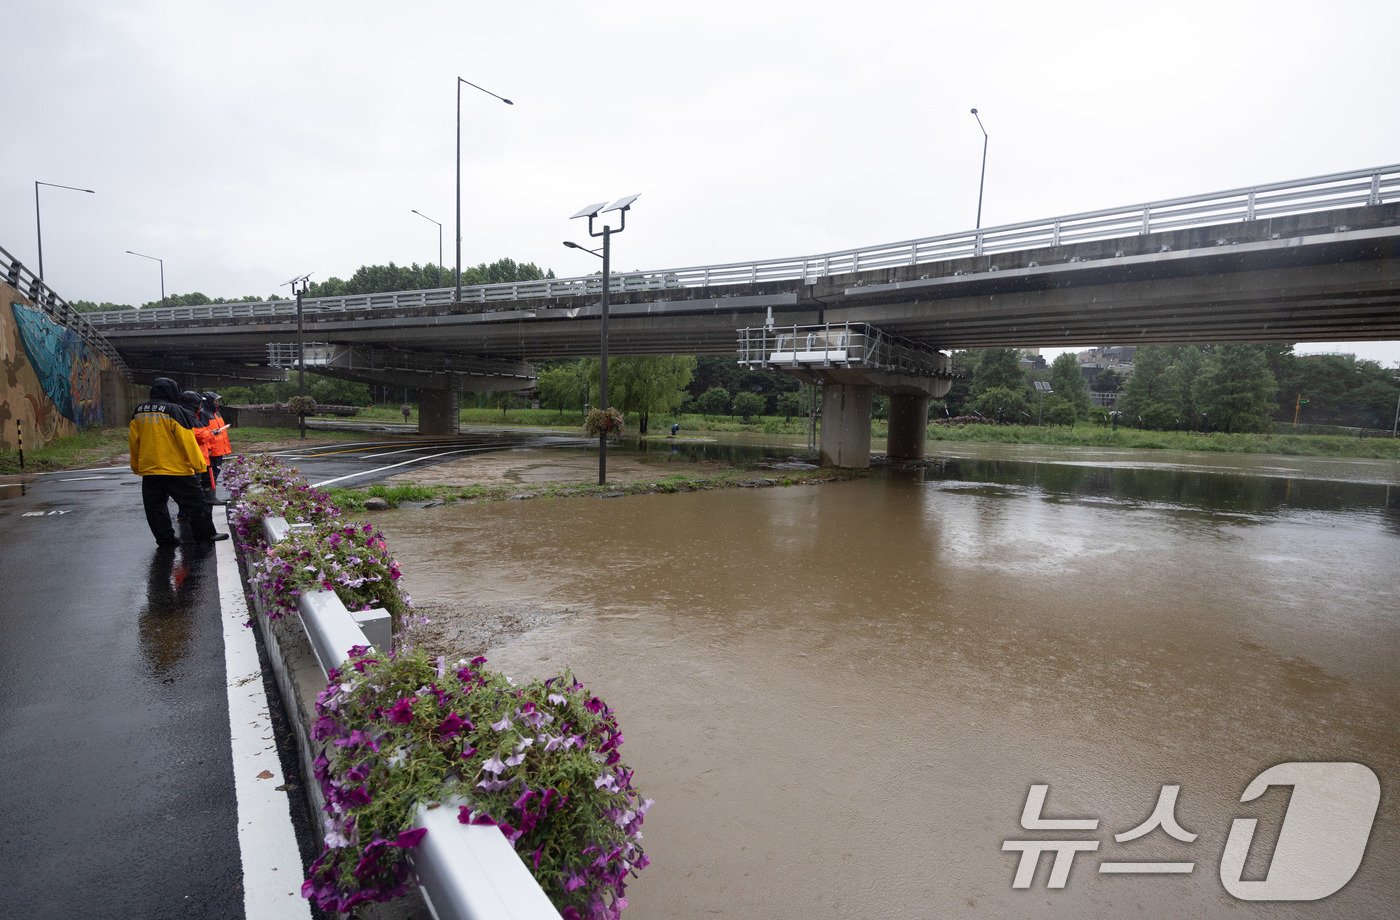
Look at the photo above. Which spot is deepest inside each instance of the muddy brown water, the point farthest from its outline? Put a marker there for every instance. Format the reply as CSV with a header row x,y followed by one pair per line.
x,y
840,694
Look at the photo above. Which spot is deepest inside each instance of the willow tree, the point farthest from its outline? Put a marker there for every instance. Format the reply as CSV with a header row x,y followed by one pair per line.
x,y
645,384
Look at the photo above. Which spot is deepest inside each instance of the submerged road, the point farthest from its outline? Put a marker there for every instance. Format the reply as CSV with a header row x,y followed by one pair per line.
x,y
141,774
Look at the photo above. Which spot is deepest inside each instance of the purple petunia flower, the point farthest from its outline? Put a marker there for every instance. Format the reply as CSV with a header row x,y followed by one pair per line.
x,y
494,765
401,712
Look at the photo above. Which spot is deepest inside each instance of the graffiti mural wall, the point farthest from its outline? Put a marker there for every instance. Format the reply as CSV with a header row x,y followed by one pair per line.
x,y
50,380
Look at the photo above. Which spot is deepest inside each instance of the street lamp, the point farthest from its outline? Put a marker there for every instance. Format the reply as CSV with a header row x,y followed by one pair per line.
x,y
39,224
301,351
162,271
983,182
460,81
439,226
592,211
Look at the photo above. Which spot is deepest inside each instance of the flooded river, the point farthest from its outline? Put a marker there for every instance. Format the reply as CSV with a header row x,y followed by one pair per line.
x,y
839,695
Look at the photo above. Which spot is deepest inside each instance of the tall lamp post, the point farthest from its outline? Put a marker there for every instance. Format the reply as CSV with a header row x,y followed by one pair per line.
x,y
39,224
983,182
301,351
621,206
131,252
439,226
460,81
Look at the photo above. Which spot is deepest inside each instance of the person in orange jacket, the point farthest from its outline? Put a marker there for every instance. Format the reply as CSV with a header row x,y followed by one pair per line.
x,y
193,403
166,456
221,447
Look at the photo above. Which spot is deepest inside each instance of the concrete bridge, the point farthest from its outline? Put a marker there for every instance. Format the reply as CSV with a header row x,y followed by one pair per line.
x,y
1312,259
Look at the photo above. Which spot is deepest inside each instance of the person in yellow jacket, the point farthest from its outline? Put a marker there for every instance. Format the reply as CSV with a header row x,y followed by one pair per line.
x,y
164,454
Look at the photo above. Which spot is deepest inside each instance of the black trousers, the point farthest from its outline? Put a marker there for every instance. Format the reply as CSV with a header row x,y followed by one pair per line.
x,y
217,464
157,491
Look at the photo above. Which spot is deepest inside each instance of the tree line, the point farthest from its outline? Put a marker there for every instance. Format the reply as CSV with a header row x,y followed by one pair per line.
x,y
367,279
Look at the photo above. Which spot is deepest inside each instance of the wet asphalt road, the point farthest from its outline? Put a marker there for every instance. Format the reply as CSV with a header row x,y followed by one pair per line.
x,y
116,774
116,777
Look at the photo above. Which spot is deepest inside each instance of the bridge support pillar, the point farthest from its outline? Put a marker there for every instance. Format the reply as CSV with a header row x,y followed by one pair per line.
x,y
437,412
908,426
845,434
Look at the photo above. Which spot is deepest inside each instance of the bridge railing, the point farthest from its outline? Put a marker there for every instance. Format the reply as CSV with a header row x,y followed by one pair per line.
x,y
1299,196
45,298
826,345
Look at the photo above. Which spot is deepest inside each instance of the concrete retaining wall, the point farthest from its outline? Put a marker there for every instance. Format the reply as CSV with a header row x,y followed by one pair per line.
x,y
51,382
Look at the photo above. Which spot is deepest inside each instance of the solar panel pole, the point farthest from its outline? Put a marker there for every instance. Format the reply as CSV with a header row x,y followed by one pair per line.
x,y
983,181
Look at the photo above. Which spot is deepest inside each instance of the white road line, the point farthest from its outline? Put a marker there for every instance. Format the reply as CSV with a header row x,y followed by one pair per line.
x,y
272,869
82,479
465,450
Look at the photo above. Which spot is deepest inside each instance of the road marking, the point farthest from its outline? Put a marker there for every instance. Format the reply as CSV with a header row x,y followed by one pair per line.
x,y
82,479
465,450
272,868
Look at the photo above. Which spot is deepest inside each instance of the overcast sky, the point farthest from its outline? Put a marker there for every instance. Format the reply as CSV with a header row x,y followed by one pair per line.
x,y
247,142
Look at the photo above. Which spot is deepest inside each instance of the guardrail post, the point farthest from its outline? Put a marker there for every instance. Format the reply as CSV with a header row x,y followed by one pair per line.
x,y
1146,218
1375,197
1055,238
1249,206
977,244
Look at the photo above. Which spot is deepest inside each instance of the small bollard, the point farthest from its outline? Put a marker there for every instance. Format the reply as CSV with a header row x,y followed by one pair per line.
x,y
19,437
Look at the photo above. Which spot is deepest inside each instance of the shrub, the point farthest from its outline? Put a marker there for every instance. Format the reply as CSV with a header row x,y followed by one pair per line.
x,y
603,421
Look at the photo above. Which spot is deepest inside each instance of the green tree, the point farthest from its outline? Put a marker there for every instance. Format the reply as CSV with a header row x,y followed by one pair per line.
x,y
997,368
563,386
1107,380
1146,389
789,404
1068,383
1237,390
645,384
1056,410
714,401
1181,384
748,404
1002,404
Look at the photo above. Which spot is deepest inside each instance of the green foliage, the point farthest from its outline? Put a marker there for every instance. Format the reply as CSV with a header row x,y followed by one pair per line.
x,y
789,404
646,384
562,386
997,368
1056,410
747,405
1107,380
379,279
1069,385
1237,390
714,401
1002,404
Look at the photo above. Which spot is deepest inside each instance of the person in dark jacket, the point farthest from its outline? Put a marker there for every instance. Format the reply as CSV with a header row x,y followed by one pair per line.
x,y
167,458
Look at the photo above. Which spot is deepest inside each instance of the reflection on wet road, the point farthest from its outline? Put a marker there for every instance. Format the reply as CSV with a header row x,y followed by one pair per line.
x,y
839,695
116,776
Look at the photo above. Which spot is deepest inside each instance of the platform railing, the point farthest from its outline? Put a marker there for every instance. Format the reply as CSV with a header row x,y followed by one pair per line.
x,y
1357,188
826,345
465,872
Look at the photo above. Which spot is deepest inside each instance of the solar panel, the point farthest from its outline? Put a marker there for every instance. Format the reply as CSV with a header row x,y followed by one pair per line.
x,y
622,204
589,211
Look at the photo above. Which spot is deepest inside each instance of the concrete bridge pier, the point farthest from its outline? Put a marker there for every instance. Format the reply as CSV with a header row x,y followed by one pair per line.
x,y
437,412
845,434
908,426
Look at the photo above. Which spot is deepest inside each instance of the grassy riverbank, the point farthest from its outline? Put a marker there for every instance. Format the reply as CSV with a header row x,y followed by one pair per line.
x,y
1081,435
94,447
395,495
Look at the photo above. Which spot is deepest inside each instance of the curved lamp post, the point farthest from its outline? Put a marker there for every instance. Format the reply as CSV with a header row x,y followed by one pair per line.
x,y
439,226
131,252
592,211
983,182
39,224
460,81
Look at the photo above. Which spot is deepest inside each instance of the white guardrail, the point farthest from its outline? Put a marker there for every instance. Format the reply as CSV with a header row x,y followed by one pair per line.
x,y
1299,196
465,872
45,298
